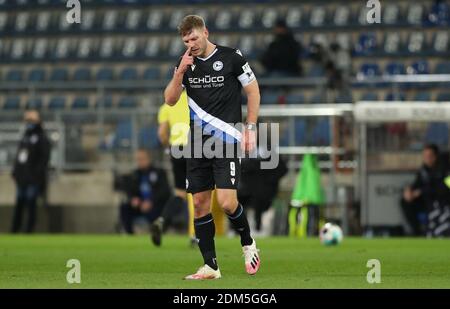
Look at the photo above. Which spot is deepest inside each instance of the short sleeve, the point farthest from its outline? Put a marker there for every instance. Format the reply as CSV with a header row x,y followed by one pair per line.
x,y
163,114
242,70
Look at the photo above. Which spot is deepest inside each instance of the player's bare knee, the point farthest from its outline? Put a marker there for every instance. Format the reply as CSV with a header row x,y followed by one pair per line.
x,y
228,205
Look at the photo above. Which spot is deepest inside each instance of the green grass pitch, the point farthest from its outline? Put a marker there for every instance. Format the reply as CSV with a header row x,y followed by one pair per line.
x,y
39,261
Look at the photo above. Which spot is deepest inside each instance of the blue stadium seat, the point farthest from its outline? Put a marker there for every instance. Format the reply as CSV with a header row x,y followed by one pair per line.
x,y
57,103
128,102
133,19
40,49
36,75
439,14
80,103
110,20
22,21
107,48
224,20
392,43
43,21
443,97
155,20
105,102
422,96
394,97
415,14
35,103
418,67
63,49
128,74
86,49
105,74
269,17
130,48
59,74
175,18
82,74
369,96
295,99
153,47
148,137
3,21
152,73
294,17
176,48
318,16
12,103
18,50
342,16
441,43
247,45
247,19
391,14
416,43
14,75
394,68
123,135
366,45
442,67
369,70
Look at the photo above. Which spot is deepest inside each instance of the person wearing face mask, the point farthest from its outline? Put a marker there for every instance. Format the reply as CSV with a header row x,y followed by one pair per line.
x,y
30,171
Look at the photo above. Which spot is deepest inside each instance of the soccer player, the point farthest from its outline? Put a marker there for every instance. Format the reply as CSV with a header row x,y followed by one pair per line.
x,y
213,77
173,131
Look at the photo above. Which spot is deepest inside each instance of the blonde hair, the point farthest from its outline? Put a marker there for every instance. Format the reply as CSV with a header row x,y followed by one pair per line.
x,y
190,22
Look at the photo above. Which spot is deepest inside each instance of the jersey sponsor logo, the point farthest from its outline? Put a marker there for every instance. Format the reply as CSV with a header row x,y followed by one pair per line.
x,y
218,65
193,67
206,80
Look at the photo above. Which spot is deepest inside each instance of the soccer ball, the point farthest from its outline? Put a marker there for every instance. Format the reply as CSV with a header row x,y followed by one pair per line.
x,y
331,234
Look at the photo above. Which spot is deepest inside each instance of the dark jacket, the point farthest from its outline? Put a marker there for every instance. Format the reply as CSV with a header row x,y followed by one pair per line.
x,y
33,154
282,55
158,181
430,181
262,184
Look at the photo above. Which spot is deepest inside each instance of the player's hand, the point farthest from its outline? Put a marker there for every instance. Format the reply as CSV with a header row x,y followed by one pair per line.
x,y
135,201
146,206
407,194
248,142
186,61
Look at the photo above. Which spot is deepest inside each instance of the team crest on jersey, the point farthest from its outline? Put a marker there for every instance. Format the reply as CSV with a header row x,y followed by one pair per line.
x,y
217,66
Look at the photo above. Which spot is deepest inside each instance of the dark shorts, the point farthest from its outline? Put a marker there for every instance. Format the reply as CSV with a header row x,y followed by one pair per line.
x,y
205,174
179,172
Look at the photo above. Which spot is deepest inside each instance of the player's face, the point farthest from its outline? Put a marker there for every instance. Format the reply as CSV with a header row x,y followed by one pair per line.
x,y
429,158
142,160
197,40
